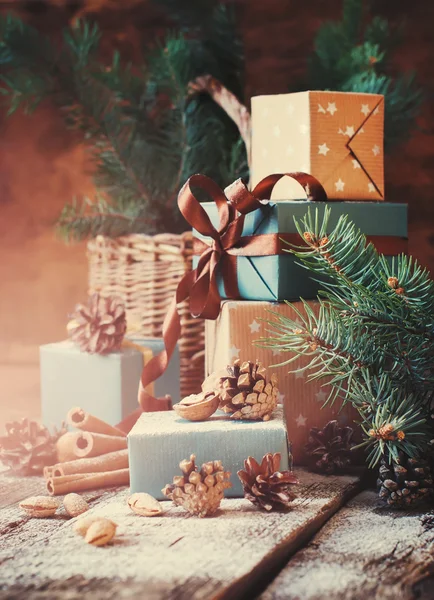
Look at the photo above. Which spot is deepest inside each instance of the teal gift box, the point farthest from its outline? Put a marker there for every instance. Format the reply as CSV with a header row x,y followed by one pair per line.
x,y
160,440
278,277
105,386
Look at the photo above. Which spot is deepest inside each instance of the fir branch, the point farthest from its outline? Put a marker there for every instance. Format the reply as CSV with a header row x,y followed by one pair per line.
x,y
373,336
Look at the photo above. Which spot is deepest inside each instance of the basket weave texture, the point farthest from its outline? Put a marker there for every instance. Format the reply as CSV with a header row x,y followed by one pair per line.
x,y
144,272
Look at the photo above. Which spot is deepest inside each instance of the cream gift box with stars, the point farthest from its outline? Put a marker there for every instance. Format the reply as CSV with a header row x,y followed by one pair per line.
x,y
233,336
335,136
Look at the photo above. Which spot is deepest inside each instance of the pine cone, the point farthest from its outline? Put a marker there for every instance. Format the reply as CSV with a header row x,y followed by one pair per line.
x,y
265,485
199,492
328,450
28,447
100,326
404,484
245,392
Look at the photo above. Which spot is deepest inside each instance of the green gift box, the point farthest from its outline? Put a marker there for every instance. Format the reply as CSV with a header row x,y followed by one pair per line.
x,y
278,277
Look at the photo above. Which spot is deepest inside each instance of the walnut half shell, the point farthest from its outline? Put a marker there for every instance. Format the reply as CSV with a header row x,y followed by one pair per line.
x,y
197,407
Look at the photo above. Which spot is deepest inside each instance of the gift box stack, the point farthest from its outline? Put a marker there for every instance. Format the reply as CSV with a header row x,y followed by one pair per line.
x,y
338,138
244,275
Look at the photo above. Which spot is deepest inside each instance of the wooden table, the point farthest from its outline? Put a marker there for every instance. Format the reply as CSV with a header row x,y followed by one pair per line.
x,y
335,543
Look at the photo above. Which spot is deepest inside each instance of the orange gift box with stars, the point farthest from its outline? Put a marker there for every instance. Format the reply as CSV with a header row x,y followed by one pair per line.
x,y
233,335
335,136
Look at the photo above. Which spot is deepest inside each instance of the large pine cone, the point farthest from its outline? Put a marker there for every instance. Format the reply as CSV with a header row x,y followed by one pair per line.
x,y
265,485
404,484
100,326
245,392
28,447
328,450
199,492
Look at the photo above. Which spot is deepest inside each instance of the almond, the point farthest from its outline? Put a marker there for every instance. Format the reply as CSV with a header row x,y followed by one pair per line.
x,y
101,532
40,506
83,524
197,407
75,505
145,505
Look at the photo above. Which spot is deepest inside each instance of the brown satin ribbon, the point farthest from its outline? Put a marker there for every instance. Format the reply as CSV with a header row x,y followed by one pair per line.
x,y
200,285
250,245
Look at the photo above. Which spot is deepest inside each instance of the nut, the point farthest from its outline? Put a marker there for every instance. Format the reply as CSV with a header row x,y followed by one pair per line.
x,y
101,532
82,525
40,506
197,407
145,505
75,505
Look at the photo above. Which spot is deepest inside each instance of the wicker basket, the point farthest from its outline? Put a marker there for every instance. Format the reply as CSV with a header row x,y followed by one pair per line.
x,y
144,271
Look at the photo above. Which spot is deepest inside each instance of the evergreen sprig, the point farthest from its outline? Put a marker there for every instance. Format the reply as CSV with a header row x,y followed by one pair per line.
x,y
145,134
351,57
372,338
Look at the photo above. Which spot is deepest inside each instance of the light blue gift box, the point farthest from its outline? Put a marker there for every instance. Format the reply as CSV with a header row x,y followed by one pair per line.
x,y
279,277
159,441
105,386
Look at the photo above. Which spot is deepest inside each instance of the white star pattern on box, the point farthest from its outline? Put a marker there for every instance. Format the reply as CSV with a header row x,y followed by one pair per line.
x,y
361,130
276,351
276,131
356,164
301,421
289,150
376,111
303,129
331,108
254,326
321,396
290,109
233,353
339,185
365,109
299,375
349,131
321,109
376,150
371,187
323,149
281,398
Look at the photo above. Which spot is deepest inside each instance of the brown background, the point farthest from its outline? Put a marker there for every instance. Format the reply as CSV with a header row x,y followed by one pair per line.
x,y
42,166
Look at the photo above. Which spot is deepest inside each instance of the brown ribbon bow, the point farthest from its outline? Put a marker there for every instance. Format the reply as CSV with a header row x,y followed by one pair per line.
x,y
200,285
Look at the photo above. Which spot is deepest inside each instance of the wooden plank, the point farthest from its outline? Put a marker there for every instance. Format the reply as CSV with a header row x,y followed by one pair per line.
x,y
14,488
172,556
363,552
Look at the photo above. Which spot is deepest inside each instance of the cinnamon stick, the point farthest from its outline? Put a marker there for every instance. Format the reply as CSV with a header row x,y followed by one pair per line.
x,y
65,446
87,444
84,421
97,464
87,481
48,471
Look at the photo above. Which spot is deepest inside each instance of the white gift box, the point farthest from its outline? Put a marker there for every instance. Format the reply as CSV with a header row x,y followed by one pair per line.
x,y
105,386
159,441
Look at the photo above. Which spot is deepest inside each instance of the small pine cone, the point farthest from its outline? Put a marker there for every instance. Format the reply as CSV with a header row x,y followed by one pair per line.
x,y
28,447
328,450
265,485
407,483
245,392
100,326
199,492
